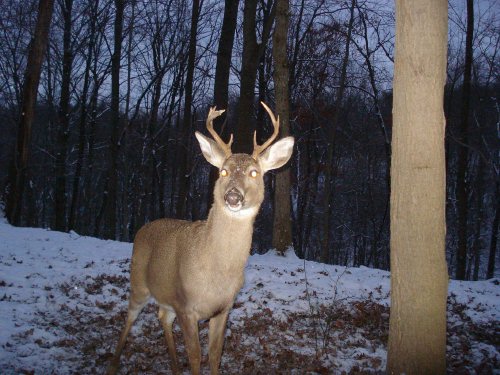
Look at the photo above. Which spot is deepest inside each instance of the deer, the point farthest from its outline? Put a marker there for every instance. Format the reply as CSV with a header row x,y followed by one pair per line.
x,y
194,270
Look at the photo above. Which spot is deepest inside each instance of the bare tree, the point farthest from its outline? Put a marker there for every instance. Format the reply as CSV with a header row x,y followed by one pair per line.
x,y
18,170
463,155
77,186
183,155
224,53
221,82
331,139
282,226
251,56
60,195
419,278
490,273
108,209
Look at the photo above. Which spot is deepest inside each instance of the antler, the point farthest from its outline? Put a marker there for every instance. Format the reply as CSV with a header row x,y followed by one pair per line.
x,y
213,114
257,150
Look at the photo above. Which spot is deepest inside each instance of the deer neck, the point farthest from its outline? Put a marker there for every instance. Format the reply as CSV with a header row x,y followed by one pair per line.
x,y
230,236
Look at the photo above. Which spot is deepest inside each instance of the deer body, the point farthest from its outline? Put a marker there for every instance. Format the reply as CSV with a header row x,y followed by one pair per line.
x,y
194,270
200,262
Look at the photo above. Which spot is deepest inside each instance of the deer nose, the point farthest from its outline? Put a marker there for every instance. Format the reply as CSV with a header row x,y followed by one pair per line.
x,y
233,197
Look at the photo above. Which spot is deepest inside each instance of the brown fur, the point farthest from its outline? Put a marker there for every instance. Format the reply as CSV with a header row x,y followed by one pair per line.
x,y
194,270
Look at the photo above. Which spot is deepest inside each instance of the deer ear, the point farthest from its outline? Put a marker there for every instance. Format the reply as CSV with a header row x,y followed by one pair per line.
x,y
211,150
277,155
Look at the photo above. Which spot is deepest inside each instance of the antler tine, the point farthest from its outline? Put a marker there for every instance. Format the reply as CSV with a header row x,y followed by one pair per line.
x,y
257,150
213,114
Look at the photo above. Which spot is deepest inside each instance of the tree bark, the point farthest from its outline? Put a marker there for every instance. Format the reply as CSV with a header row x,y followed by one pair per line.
x,y
60,195
110,191
77,184
18,170
224,53
490,273
176,87
463,153
186,130
221,84
282,226
251,56
478,221
419,280
332,135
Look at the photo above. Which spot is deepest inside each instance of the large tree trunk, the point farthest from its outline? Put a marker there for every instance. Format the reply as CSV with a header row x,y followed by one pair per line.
x,y
18,170
186,131
224,53
60,196
462,200
419,280
282,226
221,84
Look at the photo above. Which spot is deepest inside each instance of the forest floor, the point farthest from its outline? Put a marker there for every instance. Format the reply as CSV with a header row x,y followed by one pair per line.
x,y
63,300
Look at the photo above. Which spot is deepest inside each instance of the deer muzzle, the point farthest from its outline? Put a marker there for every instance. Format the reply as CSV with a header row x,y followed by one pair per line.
x,y
234,199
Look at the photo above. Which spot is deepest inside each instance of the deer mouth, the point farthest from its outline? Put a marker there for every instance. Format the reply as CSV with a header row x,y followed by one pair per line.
x,y
234,200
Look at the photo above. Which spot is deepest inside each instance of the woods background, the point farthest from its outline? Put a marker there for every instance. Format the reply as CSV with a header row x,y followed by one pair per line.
x,y
124,85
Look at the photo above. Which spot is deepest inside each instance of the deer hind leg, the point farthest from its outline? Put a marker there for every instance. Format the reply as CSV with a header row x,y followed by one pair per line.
x,y
136,303
167,315
189,325
216,330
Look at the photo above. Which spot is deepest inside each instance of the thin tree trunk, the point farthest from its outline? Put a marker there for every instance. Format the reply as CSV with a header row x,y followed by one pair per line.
x,y
89,190
60,195
332,139
246,127
387,144
419,279
165,154
125,201
221,83
463,154
174,161
282,226
251,56
150,166
187,125
110,191
479,191
77,184
494,239
18,170
130,38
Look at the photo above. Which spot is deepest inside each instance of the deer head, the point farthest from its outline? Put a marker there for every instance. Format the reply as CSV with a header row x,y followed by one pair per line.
x,y
240,186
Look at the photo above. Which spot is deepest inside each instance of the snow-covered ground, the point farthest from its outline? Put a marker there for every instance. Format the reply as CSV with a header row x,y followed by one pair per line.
x,y
63,301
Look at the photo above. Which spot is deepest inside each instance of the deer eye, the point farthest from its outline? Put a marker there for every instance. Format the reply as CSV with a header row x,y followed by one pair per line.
x,y
224,172
254,173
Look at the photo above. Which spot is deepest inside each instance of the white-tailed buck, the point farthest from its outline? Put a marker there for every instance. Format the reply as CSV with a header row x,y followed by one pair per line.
x,y
194,270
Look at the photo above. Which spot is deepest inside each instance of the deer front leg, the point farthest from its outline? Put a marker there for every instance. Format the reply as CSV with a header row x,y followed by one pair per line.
x,y
217,328
189,326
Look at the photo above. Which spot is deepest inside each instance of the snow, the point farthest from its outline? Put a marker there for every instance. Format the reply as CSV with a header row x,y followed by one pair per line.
x,y
63,299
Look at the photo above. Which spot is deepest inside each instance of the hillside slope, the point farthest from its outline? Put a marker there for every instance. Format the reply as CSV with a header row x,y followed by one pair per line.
x,y
63,301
